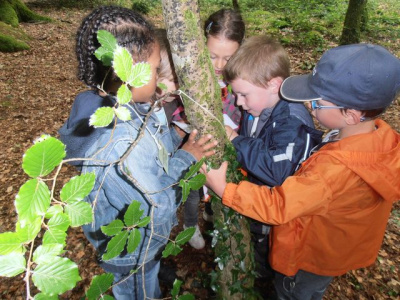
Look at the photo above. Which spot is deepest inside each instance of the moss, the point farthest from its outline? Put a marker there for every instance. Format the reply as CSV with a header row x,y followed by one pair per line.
x,y
8,14
25,14
10,44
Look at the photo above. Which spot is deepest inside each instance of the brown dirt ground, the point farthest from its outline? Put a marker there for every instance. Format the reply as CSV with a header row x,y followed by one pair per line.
x,y
37,90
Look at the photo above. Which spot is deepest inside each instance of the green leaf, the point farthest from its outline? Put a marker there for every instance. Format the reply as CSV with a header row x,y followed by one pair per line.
x,y
43,296
77,188
123,113
80,213
108,45
33,200
56,276
10,242
123,64
185,189
140,75
186,297
185,235
162,86
54,236
133,213
116,245
59,222
45,253
124,94
53,210
143,222
12,264
176,288
197,181
99,285
133,240
40,159
102,117
113,228
29,231
171,249
194,169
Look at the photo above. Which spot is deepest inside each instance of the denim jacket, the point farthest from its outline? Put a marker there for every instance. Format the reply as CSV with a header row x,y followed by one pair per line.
x,y
149,184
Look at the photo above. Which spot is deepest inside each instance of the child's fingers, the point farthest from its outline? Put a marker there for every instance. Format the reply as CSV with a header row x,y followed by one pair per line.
x,y
192,136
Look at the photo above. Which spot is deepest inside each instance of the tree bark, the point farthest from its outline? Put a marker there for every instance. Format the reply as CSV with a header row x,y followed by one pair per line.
x,y
202,100
355,19
235,4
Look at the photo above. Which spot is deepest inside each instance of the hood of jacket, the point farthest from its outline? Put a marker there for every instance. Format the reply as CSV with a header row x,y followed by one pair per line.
x,y
375,157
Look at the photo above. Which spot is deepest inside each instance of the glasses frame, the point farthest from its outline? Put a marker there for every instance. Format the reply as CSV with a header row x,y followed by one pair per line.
x,y
315,105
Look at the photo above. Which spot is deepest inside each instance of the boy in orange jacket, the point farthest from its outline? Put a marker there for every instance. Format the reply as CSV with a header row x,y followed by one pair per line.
x,y
331,214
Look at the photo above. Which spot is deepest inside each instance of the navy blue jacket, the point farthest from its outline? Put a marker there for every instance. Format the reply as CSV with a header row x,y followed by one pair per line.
x,y
283,139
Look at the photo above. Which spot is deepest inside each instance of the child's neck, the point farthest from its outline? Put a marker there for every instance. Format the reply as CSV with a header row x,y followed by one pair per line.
x,y
360,128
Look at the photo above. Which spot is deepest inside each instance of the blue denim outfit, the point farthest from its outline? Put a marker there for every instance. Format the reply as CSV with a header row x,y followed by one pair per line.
x,y
113,192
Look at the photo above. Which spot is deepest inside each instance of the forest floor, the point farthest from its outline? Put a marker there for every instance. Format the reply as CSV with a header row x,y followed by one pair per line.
x,y
37,90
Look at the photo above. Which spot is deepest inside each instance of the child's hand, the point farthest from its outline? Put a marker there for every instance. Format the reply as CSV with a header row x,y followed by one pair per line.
x,y
203,147
230,132
216,178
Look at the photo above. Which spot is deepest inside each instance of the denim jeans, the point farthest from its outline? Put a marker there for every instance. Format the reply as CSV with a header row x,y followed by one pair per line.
x,y
303,286
132,287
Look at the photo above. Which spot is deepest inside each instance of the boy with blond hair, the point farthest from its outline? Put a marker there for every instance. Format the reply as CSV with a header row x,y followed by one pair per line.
x,y
275,136
331,215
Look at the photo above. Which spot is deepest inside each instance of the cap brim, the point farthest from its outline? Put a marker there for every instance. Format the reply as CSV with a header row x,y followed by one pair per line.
x,y
296,88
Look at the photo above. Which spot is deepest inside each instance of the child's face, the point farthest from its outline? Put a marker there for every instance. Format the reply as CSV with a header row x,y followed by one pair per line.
x,y
221,50
144,93
252,98
329,118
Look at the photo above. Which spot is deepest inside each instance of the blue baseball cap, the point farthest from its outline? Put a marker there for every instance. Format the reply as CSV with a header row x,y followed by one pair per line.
x,y
359,76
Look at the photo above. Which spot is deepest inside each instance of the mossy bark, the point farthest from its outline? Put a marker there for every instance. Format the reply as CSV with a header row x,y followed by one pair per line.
x,y
203,106
354,21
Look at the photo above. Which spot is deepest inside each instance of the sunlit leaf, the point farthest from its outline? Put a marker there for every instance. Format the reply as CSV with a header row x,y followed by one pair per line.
x,y
123,113
133,213
12,264
133,240
45,253
140,75
33,200
40,159
116,245
9,242
29,231
197,181
124,94
108,44
123,63
185,235
176,288
77,188
59,222
54,236
99,285
162,86
53,210
56,276
113,228
43,296
143,222
79,213
102,117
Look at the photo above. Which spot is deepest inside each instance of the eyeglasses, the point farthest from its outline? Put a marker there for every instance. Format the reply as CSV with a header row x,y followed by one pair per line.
x,y
315,105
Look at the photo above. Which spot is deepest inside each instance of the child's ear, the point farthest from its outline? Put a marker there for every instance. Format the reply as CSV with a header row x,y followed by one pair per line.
x,y
275,84
352,116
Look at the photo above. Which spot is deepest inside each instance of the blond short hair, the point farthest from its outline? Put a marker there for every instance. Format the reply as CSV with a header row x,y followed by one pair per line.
x,y
258,60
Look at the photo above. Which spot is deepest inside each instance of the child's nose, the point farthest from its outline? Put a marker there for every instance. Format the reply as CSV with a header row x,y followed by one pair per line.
x,y
220,64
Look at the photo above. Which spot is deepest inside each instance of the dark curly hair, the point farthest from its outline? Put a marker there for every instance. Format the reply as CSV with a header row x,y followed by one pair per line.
x,y
131,30
227,23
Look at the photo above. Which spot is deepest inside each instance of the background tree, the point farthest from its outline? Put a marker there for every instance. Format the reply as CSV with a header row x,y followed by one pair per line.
x,y
354,22
203,107
11,13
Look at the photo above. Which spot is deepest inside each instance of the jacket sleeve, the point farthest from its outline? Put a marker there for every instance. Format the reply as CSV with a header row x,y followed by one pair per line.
x,y
272,161
298,196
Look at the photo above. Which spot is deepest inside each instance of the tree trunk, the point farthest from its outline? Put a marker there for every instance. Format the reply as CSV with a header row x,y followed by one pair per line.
x,y
235,4
355,15
202,100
